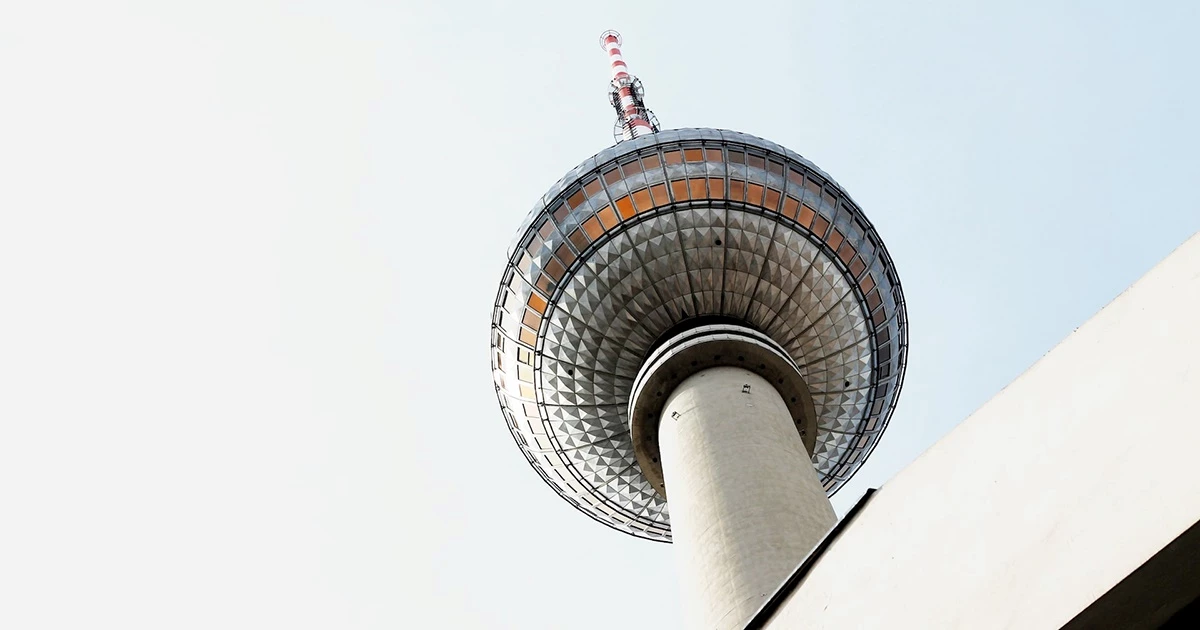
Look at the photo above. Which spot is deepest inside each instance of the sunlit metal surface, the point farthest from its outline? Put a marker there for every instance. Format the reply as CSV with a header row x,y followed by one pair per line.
x,y
672,226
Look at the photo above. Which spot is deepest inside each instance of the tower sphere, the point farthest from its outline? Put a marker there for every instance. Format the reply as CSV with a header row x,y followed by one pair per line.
x,y
679,229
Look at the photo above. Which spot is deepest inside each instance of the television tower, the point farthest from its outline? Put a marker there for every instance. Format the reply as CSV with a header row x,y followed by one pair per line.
x,y
703,320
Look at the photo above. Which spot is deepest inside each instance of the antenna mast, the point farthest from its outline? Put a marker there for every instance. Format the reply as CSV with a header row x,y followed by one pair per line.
x,y
633,119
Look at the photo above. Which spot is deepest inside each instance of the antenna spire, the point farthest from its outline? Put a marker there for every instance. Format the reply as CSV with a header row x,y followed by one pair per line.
x,y
633,119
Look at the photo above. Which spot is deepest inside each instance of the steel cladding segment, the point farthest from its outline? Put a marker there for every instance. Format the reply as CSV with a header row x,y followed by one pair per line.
x,y
661,229
746,506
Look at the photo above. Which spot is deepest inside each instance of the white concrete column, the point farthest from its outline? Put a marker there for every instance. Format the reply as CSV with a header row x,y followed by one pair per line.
x,y
746,504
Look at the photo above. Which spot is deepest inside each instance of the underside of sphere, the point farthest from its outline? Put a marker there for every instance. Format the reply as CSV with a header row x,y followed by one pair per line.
x,y
659,231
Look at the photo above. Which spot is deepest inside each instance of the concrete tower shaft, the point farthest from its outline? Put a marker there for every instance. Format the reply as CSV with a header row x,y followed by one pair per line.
x,y
718,417
746,504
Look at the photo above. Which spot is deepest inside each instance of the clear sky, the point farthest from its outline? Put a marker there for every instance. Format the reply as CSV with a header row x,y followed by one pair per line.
x,y
248,252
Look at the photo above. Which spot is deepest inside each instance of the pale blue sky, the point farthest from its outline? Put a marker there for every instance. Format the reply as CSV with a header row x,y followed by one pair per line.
x,y
248,252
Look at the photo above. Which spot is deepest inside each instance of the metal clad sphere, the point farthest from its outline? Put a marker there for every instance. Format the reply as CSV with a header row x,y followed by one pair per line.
x,y
656,231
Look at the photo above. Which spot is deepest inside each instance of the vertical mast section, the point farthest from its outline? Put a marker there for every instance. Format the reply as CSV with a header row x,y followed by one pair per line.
x,y
633,119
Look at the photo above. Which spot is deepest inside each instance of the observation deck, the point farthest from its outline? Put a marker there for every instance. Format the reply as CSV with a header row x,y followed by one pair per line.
x,y
668,230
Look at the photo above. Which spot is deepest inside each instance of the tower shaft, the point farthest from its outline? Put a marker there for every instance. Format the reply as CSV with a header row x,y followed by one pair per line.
x,y
746,504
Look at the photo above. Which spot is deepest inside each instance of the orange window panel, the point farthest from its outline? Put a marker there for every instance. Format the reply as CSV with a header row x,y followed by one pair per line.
x,y
560,213
806,215
679,189
775,168
754,194
714,155
772,201
857,267
631,168
534,245
651,162
608,218
592,188
790,207
658,193
820,225
592,228
813,187
873,300
528,337
716,188
565,254
531,319
696,188
537,303
756,161
641,200
878,317
625,207
612,177
576,199
545,284
578,240
835,239
797,178
693,155
546,230
737,157
846,252
673,157
554,269
737,189
868,283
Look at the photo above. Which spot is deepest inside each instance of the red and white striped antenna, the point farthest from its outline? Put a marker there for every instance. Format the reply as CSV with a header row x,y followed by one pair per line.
x,y
633,119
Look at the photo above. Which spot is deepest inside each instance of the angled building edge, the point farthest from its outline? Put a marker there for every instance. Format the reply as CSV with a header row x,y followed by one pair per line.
x,y
1070,499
